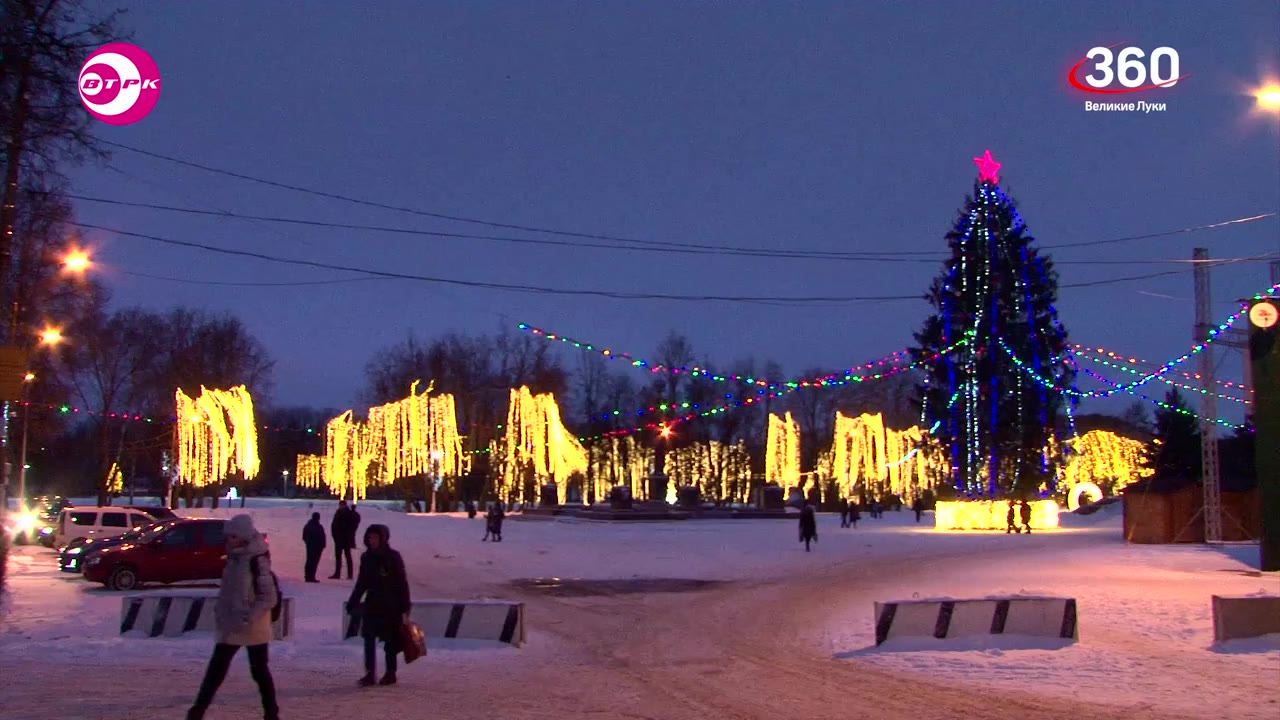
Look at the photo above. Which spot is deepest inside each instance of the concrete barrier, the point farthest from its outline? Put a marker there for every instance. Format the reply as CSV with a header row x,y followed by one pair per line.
x,y
172,614
472,620
947,619
1245,616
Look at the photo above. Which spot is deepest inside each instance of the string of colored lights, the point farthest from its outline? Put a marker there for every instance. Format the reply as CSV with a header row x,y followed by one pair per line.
x,y
1147,377
1101,351
1085,355
853,374
1165,405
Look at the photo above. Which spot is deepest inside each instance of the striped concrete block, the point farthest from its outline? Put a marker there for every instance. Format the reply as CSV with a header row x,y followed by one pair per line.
x,y
174,614
471,620
947,619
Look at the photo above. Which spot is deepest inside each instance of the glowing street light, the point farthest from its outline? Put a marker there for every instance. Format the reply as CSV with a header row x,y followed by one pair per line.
x,y
29,377
1268,97
50,336
76,261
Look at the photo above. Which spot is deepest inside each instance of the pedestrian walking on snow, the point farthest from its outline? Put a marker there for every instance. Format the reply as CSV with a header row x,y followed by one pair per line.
x,y
346,521
844,512
1009,518
493,523
917,506
313,540
1024,511
381,597
242,616
808,526
854,514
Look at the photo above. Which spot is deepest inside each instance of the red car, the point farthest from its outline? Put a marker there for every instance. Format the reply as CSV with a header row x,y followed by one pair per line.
x,y
174,551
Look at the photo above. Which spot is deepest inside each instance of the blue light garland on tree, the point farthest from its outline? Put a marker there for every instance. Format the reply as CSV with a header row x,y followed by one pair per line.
x,y
997,293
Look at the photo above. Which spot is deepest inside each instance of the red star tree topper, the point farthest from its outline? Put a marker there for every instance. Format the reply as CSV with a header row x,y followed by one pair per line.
x,y
987,168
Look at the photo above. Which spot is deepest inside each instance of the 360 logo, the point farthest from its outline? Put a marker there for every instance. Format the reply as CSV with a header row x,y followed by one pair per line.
x,y
119,84
1126,68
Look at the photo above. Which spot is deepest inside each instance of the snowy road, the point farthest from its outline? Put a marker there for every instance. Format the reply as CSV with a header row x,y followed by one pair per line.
x,y
760,647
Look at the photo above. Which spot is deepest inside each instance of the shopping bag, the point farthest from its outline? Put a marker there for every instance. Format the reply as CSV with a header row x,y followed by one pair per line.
x,y
412,642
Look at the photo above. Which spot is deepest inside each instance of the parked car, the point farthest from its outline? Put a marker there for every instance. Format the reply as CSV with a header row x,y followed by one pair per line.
x,y
159,512
73,556
77,522
175,551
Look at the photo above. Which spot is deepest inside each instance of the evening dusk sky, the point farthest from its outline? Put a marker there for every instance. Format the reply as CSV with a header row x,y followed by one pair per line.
x,y
833,127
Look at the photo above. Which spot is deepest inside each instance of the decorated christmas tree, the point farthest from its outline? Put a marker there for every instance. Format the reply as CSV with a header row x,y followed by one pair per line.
x,y
994,354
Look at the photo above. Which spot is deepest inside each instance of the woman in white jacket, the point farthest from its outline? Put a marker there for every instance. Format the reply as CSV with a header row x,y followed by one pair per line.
x,y
243,614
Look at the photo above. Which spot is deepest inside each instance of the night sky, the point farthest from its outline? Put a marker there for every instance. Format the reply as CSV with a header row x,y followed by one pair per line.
x,y
839,127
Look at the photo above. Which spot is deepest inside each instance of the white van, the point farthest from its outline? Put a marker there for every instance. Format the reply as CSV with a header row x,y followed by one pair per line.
x,y
78,522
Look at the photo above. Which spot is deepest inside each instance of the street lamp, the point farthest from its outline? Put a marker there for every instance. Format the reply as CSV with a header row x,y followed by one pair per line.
x,y
50,336
1268,97
285,473
26,416
76,261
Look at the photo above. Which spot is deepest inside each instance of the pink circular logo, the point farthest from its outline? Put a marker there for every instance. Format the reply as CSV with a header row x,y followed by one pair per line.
x,y
119,84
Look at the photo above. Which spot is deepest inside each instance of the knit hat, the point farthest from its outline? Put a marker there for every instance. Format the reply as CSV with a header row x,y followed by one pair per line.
x,y
240,526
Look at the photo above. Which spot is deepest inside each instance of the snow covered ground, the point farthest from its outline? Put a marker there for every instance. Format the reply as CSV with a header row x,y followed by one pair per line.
x,y
789,634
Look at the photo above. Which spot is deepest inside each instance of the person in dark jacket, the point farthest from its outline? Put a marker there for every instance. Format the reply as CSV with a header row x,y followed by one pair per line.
x,y
1009,518
343,528
313,539
808,526
493,523
917,507
1024,511
844,512
854,514
381,597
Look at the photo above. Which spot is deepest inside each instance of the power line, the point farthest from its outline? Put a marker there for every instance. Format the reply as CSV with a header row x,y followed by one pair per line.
x,y
634,241
746,252
771,254
489,285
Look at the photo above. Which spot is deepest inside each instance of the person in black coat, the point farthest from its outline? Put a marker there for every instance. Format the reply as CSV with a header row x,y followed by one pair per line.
x,y
844,512
808,526
917,507
313,539
1013,526
1024,512
493,523
381,598
343,528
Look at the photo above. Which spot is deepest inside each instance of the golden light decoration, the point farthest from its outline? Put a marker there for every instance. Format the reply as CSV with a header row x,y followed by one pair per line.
x,y
536,444
782,452
310,472
216,436
351,449
1105,459
419,436
868,457
991,515
620,460
115,480
715,468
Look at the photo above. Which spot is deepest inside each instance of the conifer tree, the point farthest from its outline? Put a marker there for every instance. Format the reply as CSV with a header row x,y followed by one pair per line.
x,y
995,356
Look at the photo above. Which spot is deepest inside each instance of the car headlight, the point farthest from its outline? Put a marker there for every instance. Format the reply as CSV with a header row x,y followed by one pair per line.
x,y
25,522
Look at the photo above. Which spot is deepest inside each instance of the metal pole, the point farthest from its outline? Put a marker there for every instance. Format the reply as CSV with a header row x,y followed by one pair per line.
x,y
1208,405
22,464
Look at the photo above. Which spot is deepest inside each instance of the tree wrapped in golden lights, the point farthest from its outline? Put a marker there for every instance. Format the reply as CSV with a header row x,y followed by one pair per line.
x,y
782,452
1105,459
310,472
216,436
620,460
419,436
536,446
711,466
351,449
869,458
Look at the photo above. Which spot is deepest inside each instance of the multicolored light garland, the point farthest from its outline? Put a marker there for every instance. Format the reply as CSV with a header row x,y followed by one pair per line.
x,y
1117,362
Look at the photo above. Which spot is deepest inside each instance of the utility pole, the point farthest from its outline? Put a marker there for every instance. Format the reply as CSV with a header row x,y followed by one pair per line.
x,y
1208,404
